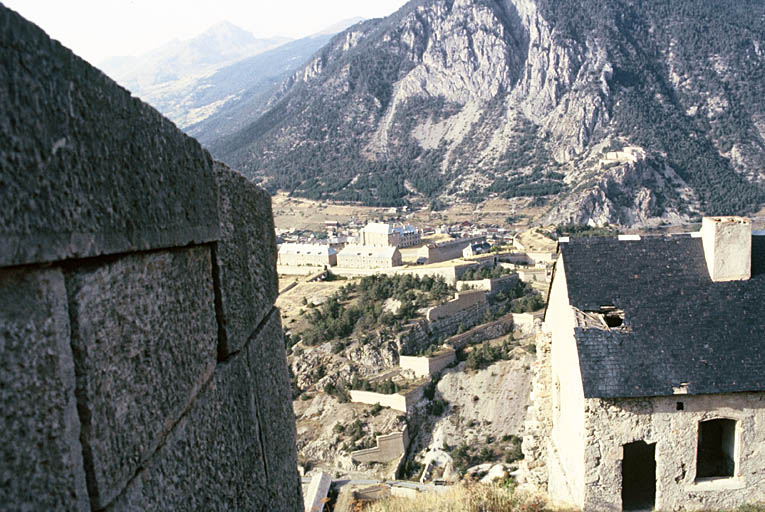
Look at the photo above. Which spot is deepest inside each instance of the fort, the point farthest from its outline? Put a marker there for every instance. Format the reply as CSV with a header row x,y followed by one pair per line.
x,y
142,357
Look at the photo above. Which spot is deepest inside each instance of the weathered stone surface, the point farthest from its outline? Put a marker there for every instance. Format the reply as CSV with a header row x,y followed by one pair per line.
x,y
85,169
245,258
275,414
41,455
144,340
227,453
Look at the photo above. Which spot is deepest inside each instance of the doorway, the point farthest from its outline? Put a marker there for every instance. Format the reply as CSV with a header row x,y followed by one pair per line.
x,y
639,476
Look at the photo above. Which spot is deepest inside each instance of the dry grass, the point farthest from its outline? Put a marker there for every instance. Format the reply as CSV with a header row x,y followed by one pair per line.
x,y
466,498
484,498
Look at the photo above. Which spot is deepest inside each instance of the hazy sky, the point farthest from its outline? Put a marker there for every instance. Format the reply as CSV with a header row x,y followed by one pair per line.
x,y
97,29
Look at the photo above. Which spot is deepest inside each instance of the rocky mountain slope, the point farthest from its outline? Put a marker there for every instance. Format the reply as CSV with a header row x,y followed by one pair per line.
x,y
601,110
188,81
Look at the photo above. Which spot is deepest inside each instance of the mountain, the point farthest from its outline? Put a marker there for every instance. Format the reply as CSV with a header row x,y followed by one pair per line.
x,y
238,92
220,45
625,111
166,76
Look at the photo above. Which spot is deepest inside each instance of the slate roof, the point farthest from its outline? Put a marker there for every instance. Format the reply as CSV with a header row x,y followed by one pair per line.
x,y
679,327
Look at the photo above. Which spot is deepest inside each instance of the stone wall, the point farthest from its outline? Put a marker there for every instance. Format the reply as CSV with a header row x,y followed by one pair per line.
x,y
396,401
419,335
487,331
423,366
490,286
142,365
448,250
389,447
461,302
538,425
610,424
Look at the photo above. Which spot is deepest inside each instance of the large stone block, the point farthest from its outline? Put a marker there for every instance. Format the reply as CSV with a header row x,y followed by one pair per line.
x,y
275,414
41,455
144,336
85,169
223,454
245,258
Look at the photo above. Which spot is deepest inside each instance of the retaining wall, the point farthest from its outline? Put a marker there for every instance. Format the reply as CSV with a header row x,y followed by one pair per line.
x,y
483,332
462,301
143,364
427,366
389,447
396,401
490,286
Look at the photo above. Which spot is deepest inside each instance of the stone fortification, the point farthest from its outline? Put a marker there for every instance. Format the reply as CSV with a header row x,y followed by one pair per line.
x,y
142,357
396,401
389,447
445,321
423,366
448,250
479,333
463,301
490,286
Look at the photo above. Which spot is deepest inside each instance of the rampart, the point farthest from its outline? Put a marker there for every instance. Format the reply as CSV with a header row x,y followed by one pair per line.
x,y
482,332
423,366
396,401
463,313
531,275
462,301
389,447
448,250
142,357
491,286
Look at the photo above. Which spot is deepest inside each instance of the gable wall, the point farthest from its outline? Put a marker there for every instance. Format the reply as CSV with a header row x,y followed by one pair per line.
x,y
566,483
612,423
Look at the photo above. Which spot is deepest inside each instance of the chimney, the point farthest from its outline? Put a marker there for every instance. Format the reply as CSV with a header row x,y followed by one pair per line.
x,y
727,247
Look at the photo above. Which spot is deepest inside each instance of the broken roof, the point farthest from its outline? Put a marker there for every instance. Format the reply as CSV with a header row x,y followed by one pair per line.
x,y
679,327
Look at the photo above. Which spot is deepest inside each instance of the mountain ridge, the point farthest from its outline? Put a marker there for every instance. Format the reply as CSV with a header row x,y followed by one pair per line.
x,y
600,112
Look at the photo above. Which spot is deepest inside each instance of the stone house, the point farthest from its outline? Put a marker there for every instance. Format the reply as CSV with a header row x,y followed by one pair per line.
x,y
657,371
360,256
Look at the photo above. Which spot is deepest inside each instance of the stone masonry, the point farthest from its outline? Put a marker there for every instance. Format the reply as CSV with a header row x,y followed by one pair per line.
x,y
142,363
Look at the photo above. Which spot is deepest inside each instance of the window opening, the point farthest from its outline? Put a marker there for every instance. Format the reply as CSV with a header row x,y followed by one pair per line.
x,y
715,455
680,406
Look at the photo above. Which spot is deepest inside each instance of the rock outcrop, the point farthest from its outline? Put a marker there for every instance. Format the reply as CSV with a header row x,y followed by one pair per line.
x,y
143,362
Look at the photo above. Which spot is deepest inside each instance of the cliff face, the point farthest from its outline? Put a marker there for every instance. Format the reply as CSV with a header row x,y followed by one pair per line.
x,y
467,99
143,362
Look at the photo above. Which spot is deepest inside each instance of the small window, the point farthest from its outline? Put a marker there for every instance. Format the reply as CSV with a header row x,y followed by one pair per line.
x,y
680,406
715,455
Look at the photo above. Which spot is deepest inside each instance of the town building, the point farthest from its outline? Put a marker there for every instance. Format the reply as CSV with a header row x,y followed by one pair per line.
x,y
298,255
657,370
378,234
366,257
475,249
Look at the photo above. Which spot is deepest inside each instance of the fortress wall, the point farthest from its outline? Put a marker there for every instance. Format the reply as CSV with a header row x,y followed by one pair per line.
x,y
482,332
142,357
448,250
423,333
389,447
491,286
462,301
427,366
394,401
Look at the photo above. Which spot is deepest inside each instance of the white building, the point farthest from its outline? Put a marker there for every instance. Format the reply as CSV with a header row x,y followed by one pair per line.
x,y
293,254
379,234
361,256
